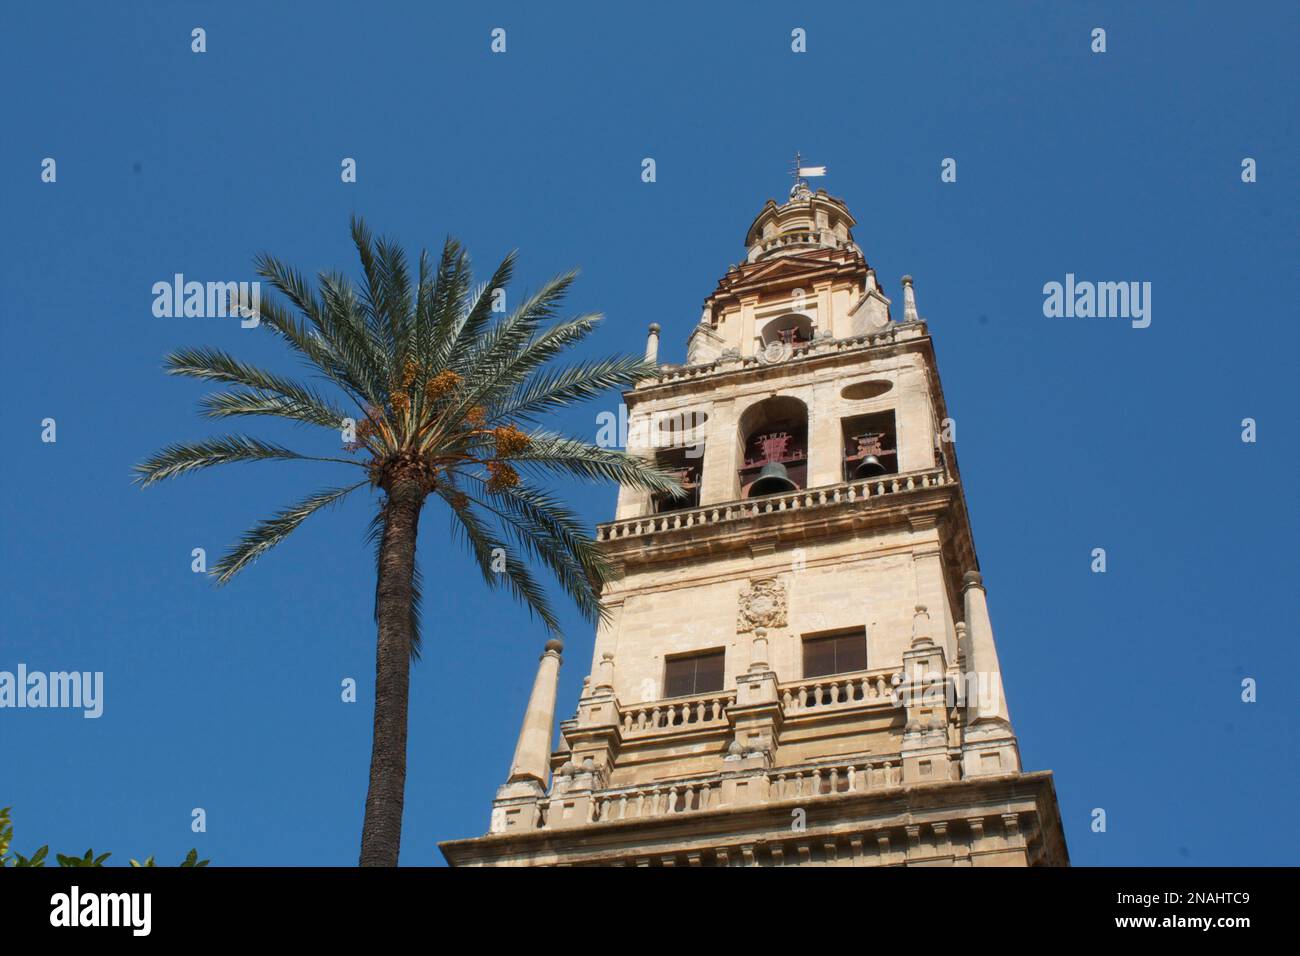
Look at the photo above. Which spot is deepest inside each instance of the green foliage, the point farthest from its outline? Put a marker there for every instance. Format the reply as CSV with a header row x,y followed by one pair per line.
x,y
89,859
36,859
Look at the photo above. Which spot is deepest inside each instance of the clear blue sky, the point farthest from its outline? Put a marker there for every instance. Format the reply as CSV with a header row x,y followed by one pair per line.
x,y
1072,434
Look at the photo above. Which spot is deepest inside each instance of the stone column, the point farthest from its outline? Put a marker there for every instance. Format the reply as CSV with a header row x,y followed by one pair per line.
x,y
533,751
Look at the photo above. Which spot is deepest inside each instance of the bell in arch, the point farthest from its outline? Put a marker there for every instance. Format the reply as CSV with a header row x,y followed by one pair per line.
x,y
772,479
869,467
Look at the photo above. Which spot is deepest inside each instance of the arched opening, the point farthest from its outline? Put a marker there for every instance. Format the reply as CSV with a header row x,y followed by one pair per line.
x,y
687,466
680,439
794,328
774,447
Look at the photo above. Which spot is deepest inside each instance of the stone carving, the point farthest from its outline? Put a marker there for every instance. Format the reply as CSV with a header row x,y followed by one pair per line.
x,y
762,605
774,353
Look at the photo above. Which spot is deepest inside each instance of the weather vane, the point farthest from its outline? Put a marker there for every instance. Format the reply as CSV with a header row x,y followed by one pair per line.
x,y
800,171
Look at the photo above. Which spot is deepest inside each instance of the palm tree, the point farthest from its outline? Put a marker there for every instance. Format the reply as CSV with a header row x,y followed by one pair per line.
x,y
447,398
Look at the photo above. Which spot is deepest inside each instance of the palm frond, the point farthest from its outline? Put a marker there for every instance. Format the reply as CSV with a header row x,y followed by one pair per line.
x,y
290,283
241,402
552,388
544,528
215,365
554,453
459,319
338,334
182,458
492,378
352,338
395,302
313,348
500,374
493,346
485,546
421,320
386,295
265,535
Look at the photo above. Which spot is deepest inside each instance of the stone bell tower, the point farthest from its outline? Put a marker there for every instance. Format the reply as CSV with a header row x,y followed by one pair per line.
x,y
798,667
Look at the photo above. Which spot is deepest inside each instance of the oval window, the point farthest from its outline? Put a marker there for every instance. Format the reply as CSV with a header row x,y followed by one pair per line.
x,y
860,391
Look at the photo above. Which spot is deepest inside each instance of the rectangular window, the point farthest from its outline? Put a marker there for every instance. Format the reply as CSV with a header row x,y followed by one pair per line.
x,y
693,674
870,446
837,653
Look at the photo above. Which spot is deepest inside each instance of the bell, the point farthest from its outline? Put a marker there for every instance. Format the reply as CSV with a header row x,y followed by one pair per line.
x,y
772,479
870,467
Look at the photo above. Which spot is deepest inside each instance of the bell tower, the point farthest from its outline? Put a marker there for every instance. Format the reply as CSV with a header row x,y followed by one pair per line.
x,y
798,665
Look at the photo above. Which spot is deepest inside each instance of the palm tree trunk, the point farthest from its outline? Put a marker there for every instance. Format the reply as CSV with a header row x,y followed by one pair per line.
x,y
381,834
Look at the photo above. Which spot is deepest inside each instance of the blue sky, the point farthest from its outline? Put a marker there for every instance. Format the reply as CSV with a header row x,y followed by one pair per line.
x,y
1072,433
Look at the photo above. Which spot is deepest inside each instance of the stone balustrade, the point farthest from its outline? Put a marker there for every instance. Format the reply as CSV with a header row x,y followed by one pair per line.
x,y
839,690
795,237
674,374
857,776
801,499
696,794
676,713
656,800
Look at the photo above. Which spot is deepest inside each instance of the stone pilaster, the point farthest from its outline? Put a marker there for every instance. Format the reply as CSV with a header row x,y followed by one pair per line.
x,y
924,695
931,584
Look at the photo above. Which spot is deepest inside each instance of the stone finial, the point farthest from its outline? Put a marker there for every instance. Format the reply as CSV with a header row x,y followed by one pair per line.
x,y
652,343
605,672
972,579
909,301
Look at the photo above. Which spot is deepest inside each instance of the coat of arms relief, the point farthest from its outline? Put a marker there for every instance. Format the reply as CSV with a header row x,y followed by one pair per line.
x,y
762,604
